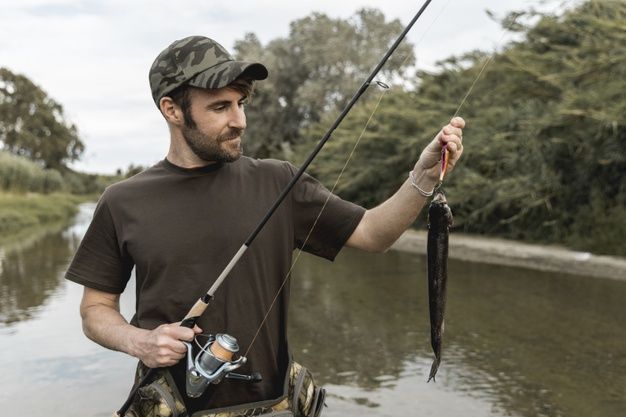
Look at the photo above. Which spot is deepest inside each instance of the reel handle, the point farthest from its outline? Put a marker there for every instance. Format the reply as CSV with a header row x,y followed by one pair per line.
x,y
254,377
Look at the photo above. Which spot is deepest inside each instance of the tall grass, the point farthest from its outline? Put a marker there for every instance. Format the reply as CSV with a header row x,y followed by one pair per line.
x,y
18,174
21,211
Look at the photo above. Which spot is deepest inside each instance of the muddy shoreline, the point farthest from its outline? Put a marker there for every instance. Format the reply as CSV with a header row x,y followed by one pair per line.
x,y
511,253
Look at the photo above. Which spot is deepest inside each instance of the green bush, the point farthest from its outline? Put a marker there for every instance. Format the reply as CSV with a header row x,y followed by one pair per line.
x,y
92,184
21,175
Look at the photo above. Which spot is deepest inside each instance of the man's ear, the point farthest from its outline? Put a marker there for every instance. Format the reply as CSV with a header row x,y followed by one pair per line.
x,y
171,111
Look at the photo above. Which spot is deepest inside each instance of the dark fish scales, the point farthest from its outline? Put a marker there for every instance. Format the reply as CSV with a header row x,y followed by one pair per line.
x,y
439,222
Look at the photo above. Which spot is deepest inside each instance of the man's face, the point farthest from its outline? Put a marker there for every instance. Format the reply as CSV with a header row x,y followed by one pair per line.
x,y
218,123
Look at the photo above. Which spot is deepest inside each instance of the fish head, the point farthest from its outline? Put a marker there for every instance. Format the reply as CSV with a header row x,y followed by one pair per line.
x,y
439,198
439,211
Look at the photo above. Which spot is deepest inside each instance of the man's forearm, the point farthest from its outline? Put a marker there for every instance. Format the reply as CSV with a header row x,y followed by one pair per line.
x,y
103,323
107,327
383,225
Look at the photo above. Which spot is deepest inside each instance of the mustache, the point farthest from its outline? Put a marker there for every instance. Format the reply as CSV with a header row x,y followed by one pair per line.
x,y
232,133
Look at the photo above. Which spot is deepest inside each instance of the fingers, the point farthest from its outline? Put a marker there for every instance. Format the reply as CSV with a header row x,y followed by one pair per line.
x,y
178,332
452,133
165,347
450,136
457,122
169,342
453,137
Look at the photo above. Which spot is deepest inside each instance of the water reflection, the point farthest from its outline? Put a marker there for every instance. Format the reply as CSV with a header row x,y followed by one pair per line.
x,y
358,320
29,271
537,341
529,342
48,366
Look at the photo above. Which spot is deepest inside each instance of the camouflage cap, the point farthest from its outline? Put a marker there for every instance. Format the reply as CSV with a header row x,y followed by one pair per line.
x,y
200,62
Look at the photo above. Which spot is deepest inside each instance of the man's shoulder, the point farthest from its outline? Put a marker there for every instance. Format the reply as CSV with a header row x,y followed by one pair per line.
x,y
270,165
132,185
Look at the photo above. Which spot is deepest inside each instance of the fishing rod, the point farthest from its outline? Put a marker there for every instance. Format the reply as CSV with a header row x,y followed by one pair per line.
x,y
219,355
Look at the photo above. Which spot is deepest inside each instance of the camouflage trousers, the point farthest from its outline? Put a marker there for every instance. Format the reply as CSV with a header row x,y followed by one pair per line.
x,y
160,398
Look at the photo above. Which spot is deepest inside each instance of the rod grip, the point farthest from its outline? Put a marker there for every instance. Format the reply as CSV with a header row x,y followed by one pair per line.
x,y
196,311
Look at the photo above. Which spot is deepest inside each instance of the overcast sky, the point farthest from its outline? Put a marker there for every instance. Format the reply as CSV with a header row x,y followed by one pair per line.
x,y
93,56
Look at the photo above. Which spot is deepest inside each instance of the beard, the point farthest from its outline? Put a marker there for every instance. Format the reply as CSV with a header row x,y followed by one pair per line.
x,y
208,148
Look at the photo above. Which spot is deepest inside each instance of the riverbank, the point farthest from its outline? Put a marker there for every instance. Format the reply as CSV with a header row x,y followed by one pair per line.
x,y
511,253
21,211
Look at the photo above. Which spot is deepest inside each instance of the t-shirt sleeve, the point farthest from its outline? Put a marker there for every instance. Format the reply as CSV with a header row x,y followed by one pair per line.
x,y
324,235
101,262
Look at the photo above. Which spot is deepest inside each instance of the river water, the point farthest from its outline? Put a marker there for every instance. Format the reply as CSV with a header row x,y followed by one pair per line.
x,y
517,342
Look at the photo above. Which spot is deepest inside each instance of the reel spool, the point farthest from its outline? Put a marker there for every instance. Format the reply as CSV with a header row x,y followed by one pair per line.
x,y
213,363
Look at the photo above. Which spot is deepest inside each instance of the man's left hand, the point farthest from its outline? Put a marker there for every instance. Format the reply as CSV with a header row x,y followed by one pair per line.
x,y
428,167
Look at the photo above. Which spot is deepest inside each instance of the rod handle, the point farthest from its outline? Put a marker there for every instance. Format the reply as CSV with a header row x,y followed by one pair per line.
x,y
196,311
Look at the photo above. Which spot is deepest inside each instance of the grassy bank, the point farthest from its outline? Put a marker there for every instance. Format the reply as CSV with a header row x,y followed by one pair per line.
x,y
20,211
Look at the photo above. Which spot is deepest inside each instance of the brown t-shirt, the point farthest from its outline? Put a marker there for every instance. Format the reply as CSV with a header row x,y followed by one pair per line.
x,y
180,227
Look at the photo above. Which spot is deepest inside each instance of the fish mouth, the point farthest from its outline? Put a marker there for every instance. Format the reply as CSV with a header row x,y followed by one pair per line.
x,y
440,198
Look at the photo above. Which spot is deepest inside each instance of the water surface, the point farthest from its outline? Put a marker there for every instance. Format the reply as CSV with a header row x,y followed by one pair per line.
x,y
517,342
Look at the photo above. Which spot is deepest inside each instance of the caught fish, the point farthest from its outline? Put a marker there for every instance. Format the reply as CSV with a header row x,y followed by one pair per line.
x,y
439,222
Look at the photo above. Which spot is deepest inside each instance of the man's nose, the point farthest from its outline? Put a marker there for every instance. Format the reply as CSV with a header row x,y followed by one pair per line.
x,y
238,118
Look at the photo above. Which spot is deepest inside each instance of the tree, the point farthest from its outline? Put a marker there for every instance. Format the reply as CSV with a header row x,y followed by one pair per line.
x,y
313,71
544,159
33,125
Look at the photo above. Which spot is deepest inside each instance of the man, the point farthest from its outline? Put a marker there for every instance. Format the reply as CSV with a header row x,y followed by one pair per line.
x,y
179,222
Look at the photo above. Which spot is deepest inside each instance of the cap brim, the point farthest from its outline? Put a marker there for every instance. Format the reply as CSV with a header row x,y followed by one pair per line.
x,y
223,74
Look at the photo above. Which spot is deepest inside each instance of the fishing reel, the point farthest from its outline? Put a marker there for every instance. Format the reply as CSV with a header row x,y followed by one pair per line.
x,y
213,363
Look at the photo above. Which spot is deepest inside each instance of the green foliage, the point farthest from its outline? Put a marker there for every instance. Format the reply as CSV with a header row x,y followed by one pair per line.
x,y
131,171
21,175
18,211
87,184
544,157
312,71
33,125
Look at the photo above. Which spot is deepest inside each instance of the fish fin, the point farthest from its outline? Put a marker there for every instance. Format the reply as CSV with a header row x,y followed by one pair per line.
x,y
433,370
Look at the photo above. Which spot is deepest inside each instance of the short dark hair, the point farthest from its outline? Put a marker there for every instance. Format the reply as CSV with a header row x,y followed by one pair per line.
x,y
181,97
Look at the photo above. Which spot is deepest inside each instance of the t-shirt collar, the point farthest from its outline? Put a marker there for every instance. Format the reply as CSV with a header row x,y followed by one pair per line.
x,y
192,171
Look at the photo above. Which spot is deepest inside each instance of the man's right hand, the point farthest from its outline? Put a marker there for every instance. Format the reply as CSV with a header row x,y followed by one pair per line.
x,y
163,346
103,323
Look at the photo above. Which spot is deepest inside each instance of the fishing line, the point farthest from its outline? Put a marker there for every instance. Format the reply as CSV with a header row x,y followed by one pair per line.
x,y
480,73
488,61
385,88
300,250
491,58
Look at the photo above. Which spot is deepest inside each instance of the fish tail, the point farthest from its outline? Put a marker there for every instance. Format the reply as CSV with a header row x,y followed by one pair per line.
x,y
433,370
